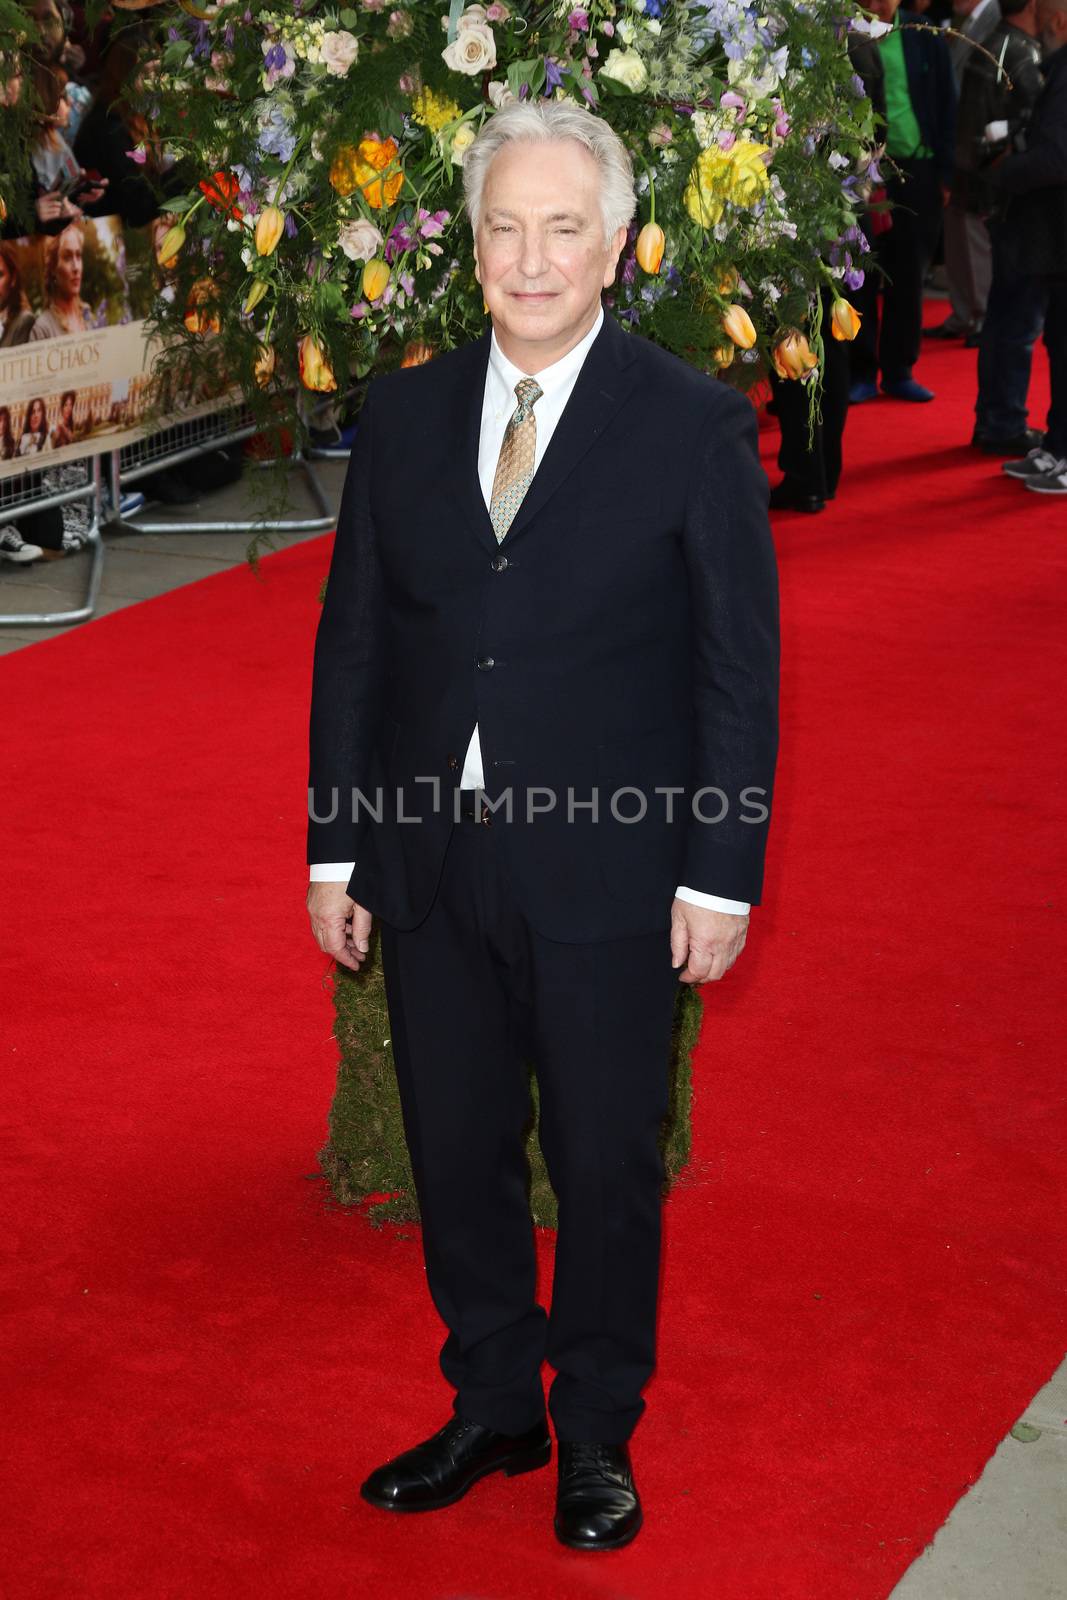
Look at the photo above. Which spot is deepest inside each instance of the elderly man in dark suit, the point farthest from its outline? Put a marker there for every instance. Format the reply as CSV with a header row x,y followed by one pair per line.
x,y
547,664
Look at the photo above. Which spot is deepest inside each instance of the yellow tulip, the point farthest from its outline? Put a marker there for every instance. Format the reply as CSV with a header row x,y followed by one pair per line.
x,y
255,295
845,320
375,278
728,281
650,247
269,229
264,367
738,175
315,370
170,245
738,326
792,356
723,355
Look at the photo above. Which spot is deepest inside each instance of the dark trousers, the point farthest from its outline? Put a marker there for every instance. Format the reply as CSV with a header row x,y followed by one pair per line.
x,y
815,467
890,343
474,993
1056,345
1014,316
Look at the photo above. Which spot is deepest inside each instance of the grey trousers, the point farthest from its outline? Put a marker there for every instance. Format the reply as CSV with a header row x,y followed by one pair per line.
x,y
968,264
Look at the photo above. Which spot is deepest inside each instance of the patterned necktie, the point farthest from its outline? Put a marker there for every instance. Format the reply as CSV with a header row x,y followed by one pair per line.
x,y
515,464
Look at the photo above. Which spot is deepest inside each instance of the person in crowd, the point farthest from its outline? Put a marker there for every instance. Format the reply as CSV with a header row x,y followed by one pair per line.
x,y
111,130
595,662
810,458
995,106
16,318
920,101
66,311
1035,229
34,436
64,432
968,252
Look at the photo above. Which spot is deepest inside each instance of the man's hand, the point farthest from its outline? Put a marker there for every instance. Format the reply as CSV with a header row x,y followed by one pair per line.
x,y
705,944
340,926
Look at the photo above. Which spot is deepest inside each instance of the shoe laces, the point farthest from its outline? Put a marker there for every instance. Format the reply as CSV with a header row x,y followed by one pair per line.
x,y
590,1458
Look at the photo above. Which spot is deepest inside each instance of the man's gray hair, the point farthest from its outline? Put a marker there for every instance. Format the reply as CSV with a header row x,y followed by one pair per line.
x,y
544,122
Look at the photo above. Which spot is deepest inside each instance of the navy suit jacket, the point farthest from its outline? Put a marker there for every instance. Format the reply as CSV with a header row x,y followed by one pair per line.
x,y
623,636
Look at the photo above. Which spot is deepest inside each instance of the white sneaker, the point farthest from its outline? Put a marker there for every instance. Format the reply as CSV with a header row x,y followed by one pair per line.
x,y
1035,464
1054,482
13,547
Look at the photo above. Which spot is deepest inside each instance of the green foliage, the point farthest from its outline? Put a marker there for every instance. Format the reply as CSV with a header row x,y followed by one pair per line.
x,y
366,1159
257,95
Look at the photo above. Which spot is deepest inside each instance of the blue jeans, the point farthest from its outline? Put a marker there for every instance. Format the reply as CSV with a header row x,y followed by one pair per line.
x,y
1014,317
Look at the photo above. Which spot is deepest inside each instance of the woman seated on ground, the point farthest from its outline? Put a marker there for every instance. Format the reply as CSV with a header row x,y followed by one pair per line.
x,y
34,430
16,318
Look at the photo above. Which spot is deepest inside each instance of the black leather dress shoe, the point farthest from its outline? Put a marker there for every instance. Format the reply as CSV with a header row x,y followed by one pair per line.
x,y
439,1471
597,1507
791,495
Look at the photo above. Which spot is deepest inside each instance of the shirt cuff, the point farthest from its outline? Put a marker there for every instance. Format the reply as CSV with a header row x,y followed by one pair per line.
x,y
332,871
713,902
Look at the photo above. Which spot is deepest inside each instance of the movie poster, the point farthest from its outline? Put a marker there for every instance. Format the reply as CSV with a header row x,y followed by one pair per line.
x,y
75,363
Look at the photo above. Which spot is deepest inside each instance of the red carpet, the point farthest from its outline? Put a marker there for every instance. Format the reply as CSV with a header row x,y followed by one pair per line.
x,y
863,1284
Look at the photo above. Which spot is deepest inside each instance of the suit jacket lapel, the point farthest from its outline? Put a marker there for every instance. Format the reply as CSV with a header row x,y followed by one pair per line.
x,y
470,392
607,378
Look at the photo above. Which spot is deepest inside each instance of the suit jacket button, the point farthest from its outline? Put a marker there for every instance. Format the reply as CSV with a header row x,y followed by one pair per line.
x,y
500,563
486,663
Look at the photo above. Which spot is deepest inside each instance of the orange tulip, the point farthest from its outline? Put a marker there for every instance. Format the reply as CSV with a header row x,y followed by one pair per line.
x,y
315,370
269,228
3,209
738,326
355,168
650,247
723,355
263,370
417,353
845,320
202,307
792,356
375,278
221,191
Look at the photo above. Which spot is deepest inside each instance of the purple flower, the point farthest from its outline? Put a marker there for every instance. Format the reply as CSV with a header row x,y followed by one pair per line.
x,y
854,278
202,47
290,226
578,21
553,75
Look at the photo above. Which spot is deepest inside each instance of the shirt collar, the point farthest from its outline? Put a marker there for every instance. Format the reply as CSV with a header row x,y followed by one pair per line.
x,y
552,379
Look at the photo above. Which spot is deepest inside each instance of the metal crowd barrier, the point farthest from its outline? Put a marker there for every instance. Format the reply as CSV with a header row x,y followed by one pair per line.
x,y
21,496
186,440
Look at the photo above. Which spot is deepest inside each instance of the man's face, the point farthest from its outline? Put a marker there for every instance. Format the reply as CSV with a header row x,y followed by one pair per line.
x,y
884,10
69,265
540,253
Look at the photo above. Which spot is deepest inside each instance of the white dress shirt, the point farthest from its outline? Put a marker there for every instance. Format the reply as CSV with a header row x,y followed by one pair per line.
x,y
498,404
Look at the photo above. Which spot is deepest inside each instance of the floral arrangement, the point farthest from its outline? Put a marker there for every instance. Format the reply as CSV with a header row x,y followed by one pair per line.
x,y
320,233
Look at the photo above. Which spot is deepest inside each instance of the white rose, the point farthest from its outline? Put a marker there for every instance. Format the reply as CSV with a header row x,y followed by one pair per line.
x,y
473,50
500,95
473,17
360,240
462,140
626,67
339,51
625,31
